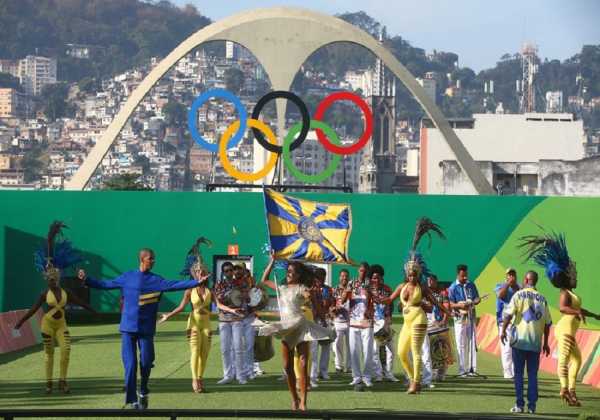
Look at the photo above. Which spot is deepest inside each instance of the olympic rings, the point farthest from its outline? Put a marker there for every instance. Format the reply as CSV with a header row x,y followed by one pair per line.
x,y
292,140
289,162
193,118
320,112
303,111
229,168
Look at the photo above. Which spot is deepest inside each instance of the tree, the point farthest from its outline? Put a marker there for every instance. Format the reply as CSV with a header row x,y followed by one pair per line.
x,y
125,182
7,80
88,85
234,80
32,164
175,113
54,101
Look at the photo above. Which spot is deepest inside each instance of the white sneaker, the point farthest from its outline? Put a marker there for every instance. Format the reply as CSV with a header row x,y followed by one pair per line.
x,y
472,374
313,384
379,379
430,386
355,381
517,409
242,381
325,377
224,381
367,382
390,377
259,372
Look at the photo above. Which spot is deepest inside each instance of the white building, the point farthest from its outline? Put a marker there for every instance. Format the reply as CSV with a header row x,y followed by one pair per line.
x,y
513,138
361,79
312,158
429,86
554,101
36,72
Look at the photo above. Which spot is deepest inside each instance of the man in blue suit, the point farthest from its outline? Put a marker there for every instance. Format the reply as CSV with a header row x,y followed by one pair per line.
x,y
141,291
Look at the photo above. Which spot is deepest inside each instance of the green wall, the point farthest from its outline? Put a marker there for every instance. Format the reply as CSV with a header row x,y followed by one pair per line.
x,y
109,228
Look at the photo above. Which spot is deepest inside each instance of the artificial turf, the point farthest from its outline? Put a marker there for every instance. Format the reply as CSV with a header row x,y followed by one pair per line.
x,y
95,378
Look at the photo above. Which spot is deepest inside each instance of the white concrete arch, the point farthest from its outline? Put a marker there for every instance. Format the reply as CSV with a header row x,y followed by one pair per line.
x,y
281,39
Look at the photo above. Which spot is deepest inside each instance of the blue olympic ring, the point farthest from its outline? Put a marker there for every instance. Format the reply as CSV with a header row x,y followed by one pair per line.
x,y
193,118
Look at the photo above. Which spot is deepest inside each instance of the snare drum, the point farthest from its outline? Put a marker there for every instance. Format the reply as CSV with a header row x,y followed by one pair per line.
x,y
258,298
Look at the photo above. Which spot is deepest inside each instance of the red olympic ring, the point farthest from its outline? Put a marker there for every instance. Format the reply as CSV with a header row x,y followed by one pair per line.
x,y
368,130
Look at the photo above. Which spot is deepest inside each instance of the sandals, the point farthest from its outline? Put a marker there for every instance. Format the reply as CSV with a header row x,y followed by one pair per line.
x,y
62,386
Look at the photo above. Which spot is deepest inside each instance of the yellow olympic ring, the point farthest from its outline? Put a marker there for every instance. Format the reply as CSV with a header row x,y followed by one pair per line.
x,y
230,169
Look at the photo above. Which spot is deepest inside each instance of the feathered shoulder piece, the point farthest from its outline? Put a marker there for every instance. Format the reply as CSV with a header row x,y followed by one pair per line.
x,y
57,252
194,260
415,261
549,250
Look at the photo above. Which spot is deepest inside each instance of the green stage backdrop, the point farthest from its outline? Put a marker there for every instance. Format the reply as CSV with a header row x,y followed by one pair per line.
x,y
109,228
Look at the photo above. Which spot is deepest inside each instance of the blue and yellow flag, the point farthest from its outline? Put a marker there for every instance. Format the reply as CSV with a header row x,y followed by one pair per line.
x,y
307,230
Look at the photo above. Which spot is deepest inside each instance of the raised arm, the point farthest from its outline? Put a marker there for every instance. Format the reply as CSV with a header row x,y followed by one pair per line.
x,y
72,298
267,273
184,301
37,305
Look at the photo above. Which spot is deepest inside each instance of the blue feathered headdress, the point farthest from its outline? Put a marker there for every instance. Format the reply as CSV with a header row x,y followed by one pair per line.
x,y
549,250
415,260
57,253
194,256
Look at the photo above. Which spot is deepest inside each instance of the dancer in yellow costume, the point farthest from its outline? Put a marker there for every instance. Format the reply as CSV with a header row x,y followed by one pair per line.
x,y
412,294
54,326
550,251
198,325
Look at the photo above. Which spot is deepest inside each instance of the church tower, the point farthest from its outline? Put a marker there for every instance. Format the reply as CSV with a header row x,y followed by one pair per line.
x,y
378,167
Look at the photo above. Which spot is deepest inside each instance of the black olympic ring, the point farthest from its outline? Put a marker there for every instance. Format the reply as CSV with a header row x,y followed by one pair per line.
x,y
303,111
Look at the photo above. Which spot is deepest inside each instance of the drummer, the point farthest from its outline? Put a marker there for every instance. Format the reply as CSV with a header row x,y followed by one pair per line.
x,y
324,300
382,318
231,327
437,322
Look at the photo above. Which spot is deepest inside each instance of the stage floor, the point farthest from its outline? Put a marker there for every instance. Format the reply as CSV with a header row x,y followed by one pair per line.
x,y
95,377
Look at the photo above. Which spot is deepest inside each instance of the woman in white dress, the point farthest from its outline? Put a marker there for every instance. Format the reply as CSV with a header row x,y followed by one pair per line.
x,y
294,329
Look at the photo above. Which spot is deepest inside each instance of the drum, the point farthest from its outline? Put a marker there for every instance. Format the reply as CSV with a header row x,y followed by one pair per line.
x,y
440,348
235,297
263,348
329,326
381,331
258,298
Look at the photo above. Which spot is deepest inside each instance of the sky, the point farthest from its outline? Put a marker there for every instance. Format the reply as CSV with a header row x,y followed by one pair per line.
x,y
479,31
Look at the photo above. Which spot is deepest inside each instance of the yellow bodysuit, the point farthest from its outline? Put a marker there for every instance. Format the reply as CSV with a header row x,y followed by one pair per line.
x,y
569,356
198,328
53,328
413,332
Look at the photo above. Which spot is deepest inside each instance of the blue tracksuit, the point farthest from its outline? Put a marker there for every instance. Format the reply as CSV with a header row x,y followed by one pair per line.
x,y
141,293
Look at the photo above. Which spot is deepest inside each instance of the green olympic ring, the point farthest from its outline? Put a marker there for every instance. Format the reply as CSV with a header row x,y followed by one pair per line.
x,y
289,162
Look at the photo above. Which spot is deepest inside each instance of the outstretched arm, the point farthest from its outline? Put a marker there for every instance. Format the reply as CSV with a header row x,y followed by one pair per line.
x,y
31,311
388,300
429,296
184,301
72,298
96,284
